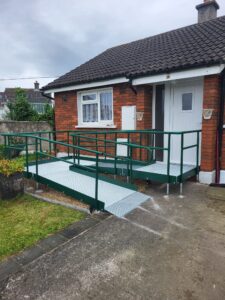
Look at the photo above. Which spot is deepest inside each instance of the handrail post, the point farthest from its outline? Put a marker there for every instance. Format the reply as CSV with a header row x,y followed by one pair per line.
x,y
96,142
9,144
181,157
49,144
73,140
4,141
140,142
153,145
197,155
27,163
181,163
36,155
40,141
68,141
168,163
115,146
105,144
96,182
131,165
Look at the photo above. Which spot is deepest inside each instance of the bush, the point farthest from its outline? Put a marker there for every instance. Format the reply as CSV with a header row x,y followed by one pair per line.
x,y
3,153
48,115
10,167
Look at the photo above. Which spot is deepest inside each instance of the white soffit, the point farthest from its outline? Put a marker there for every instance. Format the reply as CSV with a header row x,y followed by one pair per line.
x,y
88,85
179,75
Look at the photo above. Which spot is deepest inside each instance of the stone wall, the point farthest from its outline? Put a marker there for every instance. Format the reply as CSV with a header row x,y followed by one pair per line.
x,y
24,126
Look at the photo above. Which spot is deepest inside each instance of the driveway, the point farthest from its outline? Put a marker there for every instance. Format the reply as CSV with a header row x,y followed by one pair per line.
x,y
169,248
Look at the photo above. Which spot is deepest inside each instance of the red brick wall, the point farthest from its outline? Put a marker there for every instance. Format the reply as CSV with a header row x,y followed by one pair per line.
x,y
211,99
66,111
66,114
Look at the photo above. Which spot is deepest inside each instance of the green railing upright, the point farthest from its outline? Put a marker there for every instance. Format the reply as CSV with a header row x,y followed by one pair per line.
x,y
140,145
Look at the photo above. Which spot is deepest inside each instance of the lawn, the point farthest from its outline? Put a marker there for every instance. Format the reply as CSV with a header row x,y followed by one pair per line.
x,y
25,220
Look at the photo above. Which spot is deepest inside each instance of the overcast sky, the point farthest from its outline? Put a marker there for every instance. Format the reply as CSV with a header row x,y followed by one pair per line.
x,y
51,37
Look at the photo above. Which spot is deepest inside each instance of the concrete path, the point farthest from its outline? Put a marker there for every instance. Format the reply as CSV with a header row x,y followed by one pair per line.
x,y
165,249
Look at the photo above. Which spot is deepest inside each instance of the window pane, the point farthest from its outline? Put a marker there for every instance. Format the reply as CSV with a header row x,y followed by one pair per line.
x,y
106,106
90,112
89,97
187,101
39,107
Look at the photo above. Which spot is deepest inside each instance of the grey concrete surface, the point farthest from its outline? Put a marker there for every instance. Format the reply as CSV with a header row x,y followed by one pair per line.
x,y
169,248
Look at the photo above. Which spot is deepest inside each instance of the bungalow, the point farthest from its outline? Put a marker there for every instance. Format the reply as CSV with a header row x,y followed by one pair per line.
x,y
174,81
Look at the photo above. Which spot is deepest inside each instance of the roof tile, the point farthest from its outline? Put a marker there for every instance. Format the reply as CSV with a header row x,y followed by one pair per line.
x,y
187,47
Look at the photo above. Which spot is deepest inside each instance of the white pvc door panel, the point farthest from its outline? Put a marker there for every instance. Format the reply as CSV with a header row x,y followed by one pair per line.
x,y
186,114
128,117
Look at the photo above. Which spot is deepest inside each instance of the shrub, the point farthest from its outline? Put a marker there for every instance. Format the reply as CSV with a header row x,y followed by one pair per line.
x,y
3,153
48,115
10,167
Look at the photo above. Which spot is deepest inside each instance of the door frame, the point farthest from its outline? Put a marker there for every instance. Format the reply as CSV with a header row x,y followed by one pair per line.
x,y
168,111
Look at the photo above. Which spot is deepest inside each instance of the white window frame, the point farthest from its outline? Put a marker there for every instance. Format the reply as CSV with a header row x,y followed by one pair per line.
x,y
35,107
81,102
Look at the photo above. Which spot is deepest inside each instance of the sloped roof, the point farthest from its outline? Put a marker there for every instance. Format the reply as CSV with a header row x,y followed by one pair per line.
x,y
33,96
188,47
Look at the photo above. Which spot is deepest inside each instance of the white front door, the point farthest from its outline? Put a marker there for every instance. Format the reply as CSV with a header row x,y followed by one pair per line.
x,y
185,113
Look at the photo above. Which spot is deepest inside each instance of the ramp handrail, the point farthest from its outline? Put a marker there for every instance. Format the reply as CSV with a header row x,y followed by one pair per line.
x,y
83,135
38,152
144,140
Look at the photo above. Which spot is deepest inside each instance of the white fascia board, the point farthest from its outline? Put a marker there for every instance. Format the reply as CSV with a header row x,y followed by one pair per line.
x,y
88,85
179,75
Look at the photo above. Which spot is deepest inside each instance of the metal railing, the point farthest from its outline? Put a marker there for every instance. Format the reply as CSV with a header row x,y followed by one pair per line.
x,y
39,154
101,140
140,145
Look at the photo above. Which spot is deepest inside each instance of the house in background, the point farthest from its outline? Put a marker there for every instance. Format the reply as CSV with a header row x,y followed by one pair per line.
x,y
2,105
34,96
173,81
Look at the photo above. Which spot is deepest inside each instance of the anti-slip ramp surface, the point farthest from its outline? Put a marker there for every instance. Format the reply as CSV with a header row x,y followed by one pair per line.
x,y
124,206
117,200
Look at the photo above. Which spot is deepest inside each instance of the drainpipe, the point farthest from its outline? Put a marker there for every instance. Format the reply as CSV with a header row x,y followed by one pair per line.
x,y
219,137
46,96
131,85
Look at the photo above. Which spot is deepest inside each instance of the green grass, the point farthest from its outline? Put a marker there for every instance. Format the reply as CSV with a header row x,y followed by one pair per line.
x,y
25,220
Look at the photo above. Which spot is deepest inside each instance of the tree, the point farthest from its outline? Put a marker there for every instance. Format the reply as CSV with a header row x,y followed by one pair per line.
x,y
20,109
48,115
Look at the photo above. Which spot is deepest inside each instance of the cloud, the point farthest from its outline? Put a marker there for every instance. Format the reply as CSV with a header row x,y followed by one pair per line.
x,y
49,38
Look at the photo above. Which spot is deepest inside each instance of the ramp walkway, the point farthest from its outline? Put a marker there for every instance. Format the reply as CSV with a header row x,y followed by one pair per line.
x,y
116,199
91,158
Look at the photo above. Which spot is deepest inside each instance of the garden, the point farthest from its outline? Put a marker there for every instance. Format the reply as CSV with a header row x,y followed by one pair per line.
x,y
24,218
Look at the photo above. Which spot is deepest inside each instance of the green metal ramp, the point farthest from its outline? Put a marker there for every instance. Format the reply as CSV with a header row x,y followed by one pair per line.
x,y
116,199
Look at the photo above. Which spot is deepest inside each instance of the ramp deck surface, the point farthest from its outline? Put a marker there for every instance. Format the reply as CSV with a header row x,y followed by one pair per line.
x,y
118,200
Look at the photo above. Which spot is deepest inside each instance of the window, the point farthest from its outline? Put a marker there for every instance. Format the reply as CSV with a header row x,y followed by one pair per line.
x,y
187,102
39,107
96,108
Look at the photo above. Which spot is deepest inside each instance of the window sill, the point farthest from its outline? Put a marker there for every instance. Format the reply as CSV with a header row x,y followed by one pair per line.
x,y
96,126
